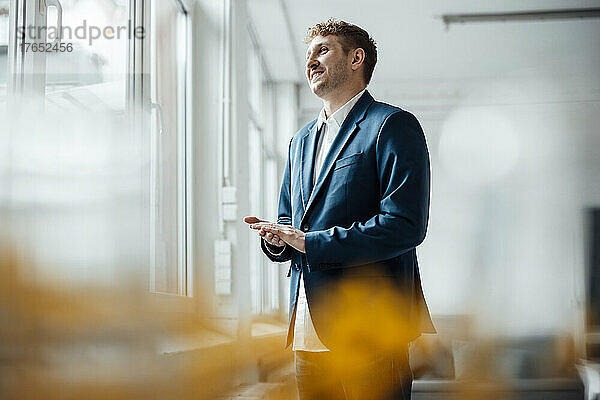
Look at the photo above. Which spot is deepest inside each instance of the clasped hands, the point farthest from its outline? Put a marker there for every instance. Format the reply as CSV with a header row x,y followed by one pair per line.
x,y
277,234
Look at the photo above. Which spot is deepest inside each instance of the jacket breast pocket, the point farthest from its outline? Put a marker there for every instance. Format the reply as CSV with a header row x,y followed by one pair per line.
x,y
348,161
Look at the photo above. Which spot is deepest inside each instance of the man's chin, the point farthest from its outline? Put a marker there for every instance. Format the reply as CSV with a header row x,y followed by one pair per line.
x,y
318,90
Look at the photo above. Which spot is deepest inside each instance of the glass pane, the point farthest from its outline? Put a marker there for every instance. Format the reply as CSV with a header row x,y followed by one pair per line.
x,y
254,78
71,176
271,195
256,259
92,73
4,5
168,45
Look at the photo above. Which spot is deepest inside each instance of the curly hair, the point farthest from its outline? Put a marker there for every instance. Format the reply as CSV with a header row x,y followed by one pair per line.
x,y
351,37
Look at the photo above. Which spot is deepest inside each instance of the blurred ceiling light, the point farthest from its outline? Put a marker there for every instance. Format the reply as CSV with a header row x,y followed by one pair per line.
x,y
478,145
531,15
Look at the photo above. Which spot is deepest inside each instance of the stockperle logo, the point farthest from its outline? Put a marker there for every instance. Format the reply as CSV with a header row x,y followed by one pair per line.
x,y
84,32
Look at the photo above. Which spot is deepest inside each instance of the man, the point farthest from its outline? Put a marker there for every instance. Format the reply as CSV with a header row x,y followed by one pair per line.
x,y
353,207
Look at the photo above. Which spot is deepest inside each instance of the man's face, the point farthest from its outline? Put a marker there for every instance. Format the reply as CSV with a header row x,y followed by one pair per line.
x,y
327,65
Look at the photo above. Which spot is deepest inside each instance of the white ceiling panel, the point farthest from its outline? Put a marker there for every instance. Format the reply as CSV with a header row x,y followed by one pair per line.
x,y
269,24
414,44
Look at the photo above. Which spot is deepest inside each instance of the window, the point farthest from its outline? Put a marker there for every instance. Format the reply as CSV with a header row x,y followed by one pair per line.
x,y
264,185
93,75
169,178
4,29
271,194
66,170
256,207
84,62
120,53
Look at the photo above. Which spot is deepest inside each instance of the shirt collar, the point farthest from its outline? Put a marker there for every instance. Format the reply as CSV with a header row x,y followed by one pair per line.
x,y
340,115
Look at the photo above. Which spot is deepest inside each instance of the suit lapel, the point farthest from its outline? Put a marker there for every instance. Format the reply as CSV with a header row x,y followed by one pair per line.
x,y
309,145
349,126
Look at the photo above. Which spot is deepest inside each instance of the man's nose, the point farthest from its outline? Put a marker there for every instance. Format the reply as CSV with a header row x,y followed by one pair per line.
x,y
312,64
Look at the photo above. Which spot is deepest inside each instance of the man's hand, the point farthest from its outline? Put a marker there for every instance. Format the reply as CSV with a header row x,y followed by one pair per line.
x,y
270,237
285,233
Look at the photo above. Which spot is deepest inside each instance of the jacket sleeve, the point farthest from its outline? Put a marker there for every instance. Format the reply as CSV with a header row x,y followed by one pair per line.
x,y
284,216
401,223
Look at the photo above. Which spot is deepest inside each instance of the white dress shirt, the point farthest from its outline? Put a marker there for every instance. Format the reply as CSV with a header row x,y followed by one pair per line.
x,y
305,337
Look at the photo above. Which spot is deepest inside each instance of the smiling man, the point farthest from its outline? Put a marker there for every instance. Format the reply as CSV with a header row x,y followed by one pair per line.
x,y
353,207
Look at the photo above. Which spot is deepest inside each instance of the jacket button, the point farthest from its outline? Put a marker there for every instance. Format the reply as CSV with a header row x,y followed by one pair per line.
x,y
305,228
297,267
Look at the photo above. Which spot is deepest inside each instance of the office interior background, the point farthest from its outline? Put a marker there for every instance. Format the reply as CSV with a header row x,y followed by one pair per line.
x,y
127,165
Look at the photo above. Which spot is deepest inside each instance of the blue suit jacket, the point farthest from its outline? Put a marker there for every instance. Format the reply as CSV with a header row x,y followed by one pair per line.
x,y
365,215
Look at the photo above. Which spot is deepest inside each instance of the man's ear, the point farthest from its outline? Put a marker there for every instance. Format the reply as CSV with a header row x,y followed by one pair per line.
x,y
358,57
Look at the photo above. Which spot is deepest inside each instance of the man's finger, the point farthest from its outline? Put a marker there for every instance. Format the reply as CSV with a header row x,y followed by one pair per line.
x,y
259,225
285,232
265,224
277,241
270,237
274,240
280,241
270,228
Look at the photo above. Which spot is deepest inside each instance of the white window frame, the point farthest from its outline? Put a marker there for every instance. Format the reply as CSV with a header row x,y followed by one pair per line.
x,y
265,287
182,300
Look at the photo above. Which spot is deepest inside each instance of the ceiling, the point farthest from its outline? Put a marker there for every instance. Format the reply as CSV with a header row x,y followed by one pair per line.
x,y
414,44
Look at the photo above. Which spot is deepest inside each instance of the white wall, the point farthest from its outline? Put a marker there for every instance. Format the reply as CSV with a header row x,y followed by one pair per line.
x,y
514,164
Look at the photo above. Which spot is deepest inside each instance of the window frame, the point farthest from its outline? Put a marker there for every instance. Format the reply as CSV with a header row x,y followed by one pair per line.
x,y
265,288
183,300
